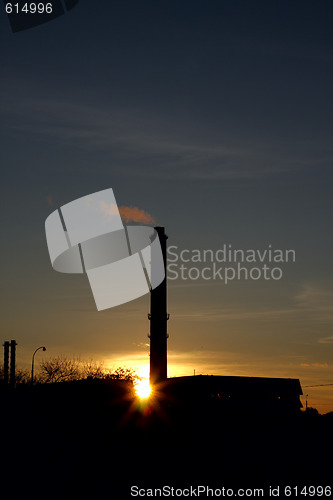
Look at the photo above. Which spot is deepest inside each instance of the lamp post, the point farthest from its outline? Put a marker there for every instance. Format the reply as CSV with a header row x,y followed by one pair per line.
x,y
32,364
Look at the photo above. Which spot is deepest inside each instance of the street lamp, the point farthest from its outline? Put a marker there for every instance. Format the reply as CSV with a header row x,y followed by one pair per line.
x,y
32,364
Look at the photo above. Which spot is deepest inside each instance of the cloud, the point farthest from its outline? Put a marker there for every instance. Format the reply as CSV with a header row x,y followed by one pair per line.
x,y
316,365
147,147
316,300
326,340
313,296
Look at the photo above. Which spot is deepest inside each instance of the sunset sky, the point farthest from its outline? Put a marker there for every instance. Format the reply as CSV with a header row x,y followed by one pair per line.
x,y
211,118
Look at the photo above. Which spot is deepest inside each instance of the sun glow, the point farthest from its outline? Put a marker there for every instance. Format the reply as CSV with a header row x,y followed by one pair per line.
x,y
142,388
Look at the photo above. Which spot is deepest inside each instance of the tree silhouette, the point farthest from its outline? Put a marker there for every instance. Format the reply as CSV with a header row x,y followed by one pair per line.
x,y
59,369
120,373
22,376
63,369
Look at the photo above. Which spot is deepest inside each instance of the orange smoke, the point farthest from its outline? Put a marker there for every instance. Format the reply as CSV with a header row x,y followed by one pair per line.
x,y
135,214
49,200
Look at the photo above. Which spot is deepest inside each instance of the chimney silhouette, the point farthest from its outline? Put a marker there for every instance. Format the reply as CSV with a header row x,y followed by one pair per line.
x,y
158,321
6,362
13,345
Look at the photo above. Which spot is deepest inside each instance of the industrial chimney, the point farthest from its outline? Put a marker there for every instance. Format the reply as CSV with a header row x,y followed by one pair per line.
x,y
158,321
13,345
6,362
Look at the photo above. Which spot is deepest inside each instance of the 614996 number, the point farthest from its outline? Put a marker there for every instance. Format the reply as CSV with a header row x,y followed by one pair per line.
x,y
29,8
311,491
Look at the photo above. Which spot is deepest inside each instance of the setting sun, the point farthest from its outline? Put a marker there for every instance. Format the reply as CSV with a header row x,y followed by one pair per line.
x,y
142,388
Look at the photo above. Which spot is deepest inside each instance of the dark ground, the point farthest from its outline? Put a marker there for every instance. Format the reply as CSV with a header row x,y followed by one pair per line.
x,y
94,439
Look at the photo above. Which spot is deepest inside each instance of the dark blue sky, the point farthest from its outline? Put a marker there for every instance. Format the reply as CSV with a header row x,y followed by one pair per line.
x,y
216,118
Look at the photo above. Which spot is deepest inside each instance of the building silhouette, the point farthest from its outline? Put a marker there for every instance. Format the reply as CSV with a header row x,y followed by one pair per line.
x,y
251,393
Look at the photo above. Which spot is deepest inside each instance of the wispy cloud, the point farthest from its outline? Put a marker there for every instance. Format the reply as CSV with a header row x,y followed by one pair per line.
x,y
314,296
141,145
326,340
316,302
316,365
